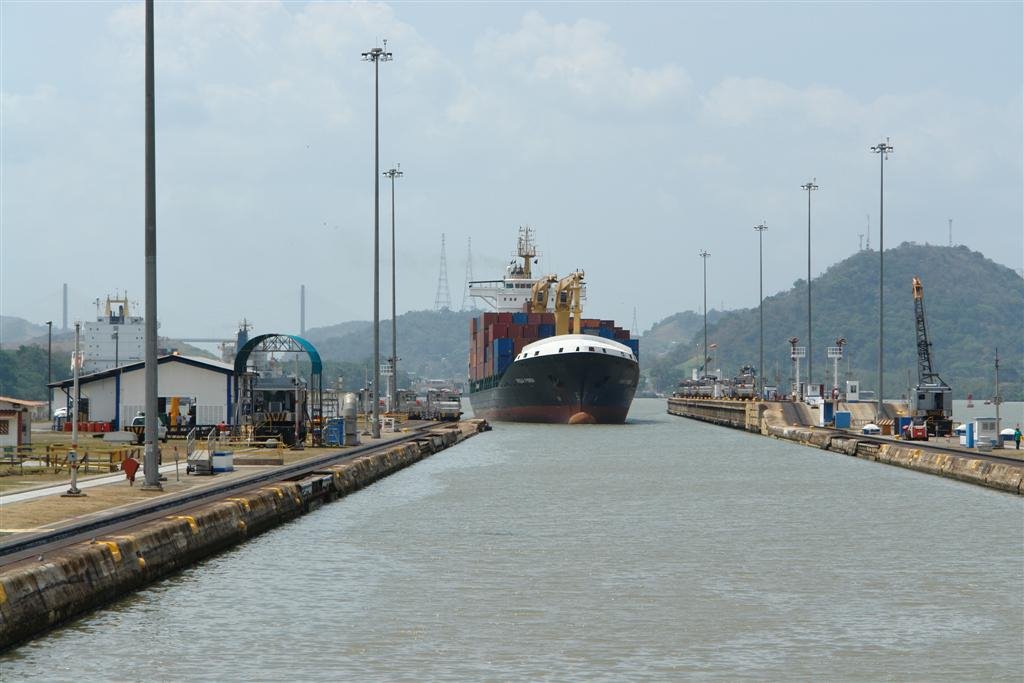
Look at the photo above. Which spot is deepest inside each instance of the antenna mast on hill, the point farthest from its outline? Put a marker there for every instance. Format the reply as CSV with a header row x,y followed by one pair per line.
x,y
867,245
467,301
950,232
443,298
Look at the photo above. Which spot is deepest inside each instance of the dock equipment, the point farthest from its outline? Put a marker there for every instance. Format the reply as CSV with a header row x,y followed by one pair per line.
x,y
933,404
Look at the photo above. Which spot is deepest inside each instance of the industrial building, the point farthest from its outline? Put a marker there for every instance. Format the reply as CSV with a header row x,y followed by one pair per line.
x,y
202,388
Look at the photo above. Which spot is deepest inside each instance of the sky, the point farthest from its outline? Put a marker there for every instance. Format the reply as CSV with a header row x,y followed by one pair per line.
x,y
629,136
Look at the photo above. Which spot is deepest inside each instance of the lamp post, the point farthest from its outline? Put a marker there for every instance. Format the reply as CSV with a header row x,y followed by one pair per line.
x,y
49,368
810,187
393,173
704,257
882,149
376,55
151,458
760,298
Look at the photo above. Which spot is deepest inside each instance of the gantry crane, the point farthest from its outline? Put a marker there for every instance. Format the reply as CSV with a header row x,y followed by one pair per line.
x,y
934,398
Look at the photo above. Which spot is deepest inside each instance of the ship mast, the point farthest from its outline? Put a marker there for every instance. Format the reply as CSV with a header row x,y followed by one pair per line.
x,y
526,249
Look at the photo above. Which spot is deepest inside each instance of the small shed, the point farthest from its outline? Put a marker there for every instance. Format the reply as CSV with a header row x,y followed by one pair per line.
x,y
117,394
16,421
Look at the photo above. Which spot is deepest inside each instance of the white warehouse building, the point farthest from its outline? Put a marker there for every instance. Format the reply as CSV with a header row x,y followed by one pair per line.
x,y
204,388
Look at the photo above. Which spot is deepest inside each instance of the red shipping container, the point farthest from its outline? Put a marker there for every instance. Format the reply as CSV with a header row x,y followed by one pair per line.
x,y
533,319
517,345
622,334
498,331
505,318
488,318
515,331
547,318
472,326
530,331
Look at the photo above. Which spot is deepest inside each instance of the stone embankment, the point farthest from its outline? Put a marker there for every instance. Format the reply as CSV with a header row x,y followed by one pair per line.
x,y
773,419
36,595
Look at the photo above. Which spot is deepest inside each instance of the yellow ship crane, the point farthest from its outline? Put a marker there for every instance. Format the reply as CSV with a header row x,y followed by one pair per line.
x,y
539,294
567,301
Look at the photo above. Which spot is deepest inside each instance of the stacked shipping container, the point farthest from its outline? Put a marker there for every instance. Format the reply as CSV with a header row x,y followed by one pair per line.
x,y
497,338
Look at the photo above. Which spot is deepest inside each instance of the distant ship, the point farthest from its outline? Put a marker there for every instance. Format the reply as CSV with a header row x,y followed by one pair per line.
x,y
531,364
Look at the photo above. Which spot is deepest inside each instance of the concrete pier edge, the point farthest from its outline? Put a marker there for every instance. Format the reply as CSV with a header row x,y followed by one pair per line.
x,y
750,416
72,580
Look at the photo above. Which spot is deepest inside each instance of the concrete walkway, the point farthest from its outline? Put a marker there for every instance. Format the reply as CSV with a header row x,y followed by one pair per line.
x,y
56,489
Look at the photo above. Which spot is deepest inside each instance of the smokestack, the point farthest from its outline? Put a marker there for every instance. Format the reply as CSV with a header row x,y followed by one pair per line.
x,y
302,310
65,321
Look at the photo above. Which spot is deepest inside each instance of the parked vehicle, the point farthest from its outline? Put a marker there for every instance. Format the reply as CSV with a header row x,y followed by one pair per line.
x,y
138,426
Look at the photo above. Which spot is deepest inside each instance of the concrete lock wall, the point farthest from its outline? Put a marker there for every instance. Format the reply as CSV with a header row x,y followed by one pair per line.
x,y
771,420
37,595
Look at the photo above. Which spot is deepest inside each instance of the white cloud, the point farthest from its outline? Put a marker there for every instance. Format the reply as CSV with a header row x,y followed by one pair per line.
x,y
580,60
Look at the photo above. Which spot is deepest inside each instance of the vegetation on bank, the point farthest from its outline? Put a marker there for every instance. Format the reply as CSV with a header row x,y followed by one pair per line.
x,y
973,306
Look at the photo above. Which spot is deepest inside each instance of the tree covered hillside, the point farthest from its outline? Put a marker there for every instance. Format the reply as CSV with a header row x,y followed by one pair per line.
x,y
972,305
430,343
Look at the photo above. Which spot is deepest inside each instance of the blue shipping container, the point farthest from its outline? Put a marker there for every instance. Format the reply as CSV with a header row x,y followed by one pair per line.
x,y
606,332
842,419
545,330
519,318
634,345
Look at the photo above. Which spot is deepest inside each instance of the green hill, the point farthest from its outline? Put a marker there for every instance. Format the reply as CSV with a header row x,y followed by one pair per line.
x,y
972,305
675,329
433,344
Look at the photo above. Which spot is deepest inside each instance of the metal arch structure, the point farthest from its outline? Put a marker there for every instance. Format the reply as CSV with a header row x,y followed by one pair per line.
x,y
277,343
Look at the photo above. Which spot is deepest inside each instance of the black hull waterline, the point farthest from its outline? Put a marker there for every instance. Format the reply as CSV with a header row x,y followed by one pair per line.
x,y
562,388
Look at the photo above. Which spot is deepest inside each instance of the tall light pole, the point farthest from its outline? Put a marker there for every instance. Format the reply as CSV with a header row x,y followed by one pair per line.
x,y
376,55
704,257
760,298
393,173
49,369
810,187
151,458
882,149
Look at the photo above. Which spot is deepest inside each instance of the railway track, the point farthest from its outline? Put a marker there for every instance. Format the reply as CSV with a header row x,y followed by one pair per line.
x,y
127,517
928,445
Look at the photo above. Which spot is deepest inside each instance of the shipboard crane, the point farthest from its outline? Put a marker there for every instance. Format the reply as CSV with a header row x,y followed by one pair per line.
x,y
538,302
933,396
567,301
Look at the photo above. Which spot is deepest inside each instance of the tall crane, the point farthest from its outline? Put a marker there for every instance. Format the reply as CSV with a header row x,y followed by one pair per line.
x,y
934,398
538,302
567,301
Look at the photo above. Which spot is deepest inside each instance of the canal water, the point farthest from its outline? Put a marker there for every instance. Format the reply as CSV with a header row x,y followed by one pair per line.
x,y
663,549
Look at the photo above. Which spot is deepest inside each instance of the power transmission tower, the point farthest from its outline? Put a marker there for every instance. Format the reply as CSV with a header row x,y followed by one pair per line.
x,y
636,324
467,301
443,298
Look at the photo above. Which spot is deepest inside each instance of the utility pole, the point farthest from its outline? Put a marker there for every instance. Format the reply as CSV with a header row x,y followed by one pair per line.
x,y
760,303
151,459
376,55
882,149
76,362
997,400
49,369
809,186
393,173
704,257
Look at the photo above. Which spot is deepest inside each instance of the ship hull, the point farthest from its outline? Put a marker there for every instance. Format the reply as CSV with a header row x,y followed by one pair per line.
x,y
562,388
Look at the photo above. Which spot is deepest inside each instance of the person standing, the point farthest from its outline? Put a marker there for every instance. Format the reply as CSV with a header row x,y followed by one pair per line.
x,y
1016,437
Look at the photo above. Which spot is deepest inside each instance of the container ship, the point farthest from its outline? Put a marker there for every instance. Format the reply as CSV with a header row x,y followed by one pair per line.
x,y
536,359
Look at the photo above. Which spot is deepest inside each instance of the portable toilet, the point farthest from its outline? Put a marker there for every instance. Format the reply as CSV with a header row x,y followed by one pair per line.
x,y
968,438
852,390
